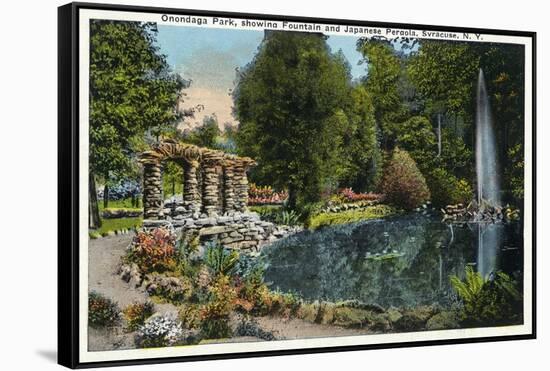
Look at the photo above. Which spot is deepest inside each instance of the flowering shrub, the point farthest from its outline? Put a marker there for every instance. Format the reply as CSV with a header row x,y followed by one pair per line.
x,y
403,184
265,195
254,296
136,314
190,316
154,250
215,314
102,311
349,196
160,331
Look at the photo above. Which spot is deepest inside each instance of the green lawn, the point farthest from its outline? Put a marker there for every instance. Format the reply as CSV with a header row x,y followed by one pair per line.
x,y
350,216
118,204
108,225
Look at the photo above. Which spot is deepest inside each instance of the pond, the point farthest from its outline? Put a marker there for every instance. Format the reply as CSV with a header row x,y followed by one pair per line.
x,y
400,261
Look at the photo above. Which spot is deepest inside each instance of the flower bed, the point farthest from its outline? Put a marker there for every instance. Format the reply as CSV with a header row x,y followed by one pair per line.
x,y
265,195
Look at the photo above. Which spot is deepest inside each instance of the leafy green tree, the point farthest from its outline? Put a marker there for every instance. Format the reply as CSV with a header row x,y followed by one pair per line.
x,y
131,92
206,135
362,156
382,82
515,172
445,74
289,102
173,177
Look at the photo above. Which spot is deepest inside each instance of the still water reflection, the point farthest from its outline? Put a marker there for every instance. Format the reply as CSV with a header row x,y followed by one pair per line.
x,y
401,261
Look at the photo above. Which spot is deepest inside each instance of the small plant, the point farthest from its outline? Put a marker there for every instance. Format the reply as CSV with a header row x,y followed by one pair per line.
x,y
190,316
215,314
154,250
492,302
160,331
288,217
402,183
136,314
102,311
220,260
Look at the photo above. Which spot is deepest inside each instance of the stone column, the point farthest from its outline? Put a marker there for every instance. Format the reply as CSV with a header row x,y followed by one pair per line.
x,y
228,187
240,183
210,184
152,190
191,194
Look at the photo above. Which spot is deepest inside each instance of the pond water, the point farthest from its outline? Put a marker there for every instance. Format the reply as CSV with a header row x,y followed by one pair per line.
x,y
400,261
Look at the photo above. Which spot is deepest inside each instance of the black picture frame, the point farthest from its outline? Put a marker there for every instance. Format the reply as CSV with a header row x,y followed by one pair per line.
x,y
68,182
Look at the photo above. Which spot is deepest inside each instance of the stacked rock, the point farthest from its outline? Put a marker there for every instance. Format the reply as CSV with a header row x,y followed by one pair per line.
x,y
240,183
192,197
152,188
243,231
210,183
229,186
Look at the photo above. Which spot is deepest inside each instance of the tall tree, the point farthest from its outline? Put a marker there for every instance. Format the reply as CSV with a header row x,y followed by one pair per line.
x,y
383,75
361,148
288,101
132,91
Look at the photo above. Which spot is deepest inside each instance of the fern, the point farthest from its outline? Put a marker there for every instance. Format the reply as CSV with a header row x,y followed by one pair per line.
x,y
469,289
488,302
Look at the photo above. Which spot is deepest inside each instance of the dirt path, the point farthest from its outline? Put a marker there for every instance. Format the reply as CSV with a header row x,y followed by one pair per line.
x,y
295,328
104,256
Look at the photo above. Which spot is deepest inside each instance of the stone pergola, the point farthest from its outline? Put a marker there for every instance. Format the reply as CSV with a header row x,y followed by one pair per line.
x,y
214,182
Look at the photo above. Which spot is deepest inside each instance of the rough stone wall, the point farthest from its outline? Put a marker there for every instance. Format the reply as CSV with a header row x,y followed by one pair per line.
x,y
243,231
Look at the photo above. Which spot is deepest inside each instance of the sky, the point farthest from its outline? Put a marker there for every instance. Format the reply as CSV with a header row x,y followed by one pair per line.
x,y
209,57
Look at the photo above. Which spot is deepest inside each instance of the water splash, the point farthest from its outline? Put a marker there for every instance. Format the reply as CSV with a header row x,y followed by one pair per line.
x,y
488,185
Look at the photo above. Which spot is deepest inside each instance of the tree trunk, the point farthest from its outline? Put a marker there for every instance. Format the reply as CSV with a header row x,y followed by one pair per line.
x,y
94,221
291,197
106,197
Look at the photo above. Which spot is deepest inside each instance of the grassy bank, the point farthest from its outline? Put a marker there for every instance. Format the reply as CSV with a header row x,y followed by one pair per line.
x,y
350,216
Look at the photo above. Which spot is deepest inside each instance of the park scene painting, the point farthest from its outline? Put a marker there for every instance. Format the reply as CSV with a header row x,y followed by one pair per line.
x,y
262,185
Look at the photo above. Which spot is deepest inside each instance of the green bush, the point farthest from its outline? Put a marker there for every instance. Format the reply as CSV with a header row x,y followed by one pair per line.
x,y
221,260
402,183
102,311
446,189
493,302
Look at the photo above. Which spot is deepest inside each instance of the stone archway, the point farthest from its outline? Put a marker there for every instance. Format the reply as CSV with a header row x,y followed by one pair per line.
x,y
221,173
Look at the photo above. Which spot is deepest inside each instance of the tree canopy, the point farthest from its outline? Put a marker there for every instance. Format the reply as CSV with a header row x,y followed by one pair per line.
x,y
289,103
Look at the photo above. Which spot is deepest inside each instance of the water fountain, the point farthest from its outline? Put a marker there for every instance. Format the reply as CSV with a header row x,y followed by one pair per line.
x,y
488,185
